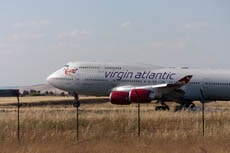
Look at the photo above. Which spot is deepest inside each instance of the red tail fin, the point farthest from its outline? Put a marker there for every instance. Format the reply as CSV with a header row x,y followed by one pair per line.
x,y
185,79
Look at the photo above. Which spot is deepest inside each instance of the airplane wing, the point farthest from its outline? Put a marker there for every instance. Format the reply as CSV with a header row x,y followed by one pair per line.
x,y
147,93
163,86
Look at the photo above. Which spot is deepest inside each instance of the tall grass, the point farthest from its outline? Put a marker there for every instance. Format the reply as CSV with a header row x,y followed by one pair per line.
x,y
109,128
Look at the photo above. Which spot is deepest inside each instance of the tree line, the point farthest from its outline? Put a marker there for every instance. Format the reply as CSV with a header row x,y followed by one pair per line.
x,y
33,92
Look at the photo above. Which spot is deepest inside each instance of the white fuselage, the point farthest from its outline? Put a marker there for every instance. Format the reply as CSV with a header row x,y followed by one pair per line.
x,y
99,79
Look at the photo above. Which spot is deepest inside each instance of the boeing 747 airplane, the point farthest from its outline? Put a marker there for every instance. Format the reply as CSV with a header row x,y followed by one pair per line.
x,y
133,83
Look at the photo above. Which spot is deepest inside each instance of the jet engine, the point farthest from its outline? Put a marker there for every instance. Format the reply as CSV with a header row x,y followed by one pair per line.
x,y
140,95
119,98
135,95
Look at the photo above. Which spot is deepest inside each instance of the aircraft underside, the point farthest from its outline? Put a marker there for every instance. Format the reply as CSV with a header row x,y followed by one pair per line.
x,y
161,105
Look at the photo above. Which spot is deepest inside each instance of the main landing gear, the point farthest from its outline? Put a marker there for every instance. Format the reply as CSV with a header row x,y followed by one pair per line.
x,y
76,102
186,106
163,106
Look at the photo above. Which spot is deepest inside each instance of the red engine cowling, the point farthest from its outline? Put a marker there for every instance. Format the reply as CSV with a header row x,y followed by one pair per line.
x,y
139,95
119,98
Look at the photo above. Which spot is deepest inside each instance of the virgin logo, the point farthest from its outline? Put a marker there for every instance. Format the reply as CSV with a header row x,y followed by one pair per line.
x,y
69,71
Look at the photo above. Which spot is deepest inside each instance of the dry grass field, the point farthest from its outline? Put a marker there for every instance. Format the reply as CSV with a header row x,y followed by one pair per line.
x,y
48,125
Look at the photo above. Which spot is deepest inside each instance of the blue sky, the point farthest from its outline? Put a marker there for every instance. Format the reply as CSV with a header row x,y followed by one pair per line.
x,y
38,37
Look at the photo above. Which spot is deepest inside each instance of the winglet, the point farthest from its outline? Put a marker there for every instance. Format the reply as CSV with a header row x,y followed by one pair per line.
x,y
185,79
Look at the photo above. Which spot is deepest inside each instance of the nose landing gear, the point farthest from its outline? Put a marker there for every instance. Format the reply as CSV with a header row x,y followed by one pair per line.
x,y
76,102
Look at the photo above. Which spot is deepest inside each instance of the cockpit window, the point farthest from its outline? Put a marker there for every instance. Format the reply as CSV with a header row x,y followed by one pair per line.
x,y
66,65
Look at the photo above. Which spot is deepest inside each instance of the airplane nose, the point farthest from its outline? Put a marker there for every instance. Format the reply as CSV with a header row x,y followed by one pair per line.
x,y
49,79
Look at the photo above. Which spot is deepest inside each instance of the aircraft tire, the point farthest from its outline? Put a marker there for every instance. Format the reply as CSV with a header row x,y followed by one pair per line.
x,y
157,108
164,107
178,108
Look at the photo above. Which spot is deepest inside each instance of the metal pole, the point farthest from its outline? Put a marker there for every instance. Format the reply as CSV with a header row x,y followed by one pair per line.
x,y
139,115
203,100
18,129
77,125
203,116
139,120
